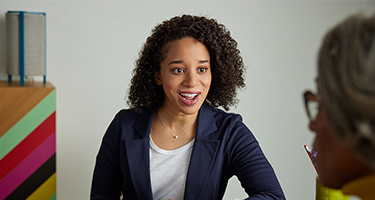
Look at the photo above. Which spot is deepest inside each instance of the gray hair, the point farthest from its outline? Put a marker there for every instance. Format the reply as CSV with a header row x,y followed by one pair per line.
x,y
346,68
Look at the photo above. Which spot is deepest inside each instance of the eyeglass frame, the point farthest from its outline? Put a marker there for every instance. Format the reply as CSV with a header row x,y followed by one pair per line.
x,y
309,96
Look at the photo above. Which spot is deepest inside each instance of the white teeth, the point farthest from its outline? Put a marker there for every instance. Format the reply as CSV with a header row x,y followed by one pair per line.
x,y
189,95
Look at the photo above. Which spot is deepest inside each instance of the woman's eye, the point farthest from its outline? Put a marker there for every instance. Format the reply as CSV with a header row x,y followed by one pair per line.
x,y
178,70
202,70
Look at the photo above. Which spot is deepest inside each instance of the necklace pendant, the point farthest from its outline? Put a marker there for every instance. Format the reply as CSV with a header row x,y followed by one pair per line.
x,y
176,136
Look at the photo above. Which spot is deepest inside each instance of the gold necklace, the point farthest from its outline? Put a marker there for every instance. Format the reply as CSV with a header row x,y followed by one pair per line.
x,y
175,136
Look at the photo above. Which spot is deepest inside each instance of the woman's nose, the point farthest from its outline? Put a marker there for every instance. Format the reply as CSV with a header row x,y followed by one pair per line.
x,y
312,126
191,79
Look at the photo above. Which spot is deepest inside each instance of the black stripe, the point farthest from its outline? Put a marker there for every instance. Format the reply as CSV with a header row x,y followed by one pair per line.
x,y
35,180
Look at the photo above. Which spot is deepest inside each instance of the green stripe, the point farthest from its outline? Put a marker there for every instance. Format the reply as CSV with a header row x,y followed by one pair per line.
x,y
53,197
27,124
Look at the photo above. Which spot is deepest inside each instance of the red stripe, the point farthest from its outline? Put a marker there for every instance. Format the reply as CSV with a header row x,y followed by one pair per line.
x,y
28,166
28,145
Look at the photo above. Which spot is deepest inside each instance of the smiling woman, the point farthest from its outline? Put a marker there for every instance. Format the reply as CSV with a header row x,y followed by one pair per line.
x,y
173,142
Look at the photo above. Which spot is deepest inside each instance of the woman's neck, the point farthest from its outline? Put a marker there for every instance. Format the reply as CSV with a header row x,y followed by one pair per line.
x,y
174,119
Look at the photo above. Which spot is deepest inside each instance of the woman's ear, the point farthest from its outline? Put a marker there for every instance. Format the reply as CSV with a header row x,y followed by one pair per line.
x,y
158,78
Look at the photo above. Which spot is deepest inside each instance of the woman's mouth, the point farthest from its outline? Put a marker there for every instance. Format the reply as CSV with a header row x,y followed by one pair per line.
x,y
189,98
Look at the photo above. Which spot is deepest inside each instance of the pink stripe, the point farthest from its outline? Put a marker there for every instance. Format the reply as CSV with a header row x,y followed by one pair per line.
x,y
28,166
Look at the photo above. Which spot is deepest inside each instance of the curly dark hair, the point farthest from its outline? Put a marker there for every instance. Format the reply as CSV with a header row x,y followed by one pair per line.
x,y
227,66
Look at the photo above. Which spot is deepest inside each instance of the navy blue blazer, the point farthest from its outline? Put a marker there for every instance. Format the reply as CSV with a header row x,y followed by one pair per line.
x,y
223,147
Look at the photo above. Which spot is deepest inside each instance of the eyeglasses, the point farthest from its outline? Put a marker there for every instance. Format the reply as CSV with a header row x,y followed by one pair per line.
x,y
312,105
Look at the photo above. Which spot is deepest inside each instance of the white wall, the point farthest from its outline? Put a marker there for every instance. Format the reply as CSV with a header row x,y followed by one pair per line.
x,y
91,51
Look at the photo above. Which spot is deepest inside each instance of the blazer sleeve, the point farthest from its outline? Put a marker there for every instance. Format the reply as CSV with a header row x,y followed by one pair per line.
x,y
107,178
251,166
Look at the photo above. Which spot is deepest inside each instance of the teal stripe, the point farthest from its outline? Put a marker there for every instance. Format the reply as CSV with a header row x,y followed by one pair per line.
x,y
53,197
27,124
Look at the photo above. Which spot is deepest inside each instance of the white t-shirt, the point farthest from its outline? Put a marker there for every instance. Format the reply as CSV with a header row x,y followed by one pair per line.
x,y
168,170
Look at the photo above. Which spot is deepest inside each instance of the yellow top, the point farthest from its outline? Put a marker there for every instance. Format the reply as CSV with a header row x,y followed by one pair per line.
x,y
363,187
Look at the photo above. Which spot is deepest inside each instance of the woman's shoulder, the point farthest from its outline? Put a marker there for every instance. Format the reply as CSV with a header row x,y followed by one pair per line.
x,y
227,119
125,116
221,114
230,125
128,112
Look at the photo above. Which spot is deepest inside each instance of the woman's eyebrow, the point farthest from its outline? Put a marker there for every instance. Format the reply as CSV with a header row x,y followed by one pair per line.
x,y
180,61
176,62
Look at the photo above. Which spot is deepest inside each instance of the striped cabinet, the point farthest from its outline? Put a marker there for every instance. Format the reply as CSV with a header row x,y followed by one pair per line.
x,y
27,141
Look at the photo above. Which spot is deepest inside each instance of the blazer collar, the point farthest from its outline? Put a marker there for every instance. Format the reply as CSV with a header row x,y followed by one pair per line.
x,y
206,121
143,123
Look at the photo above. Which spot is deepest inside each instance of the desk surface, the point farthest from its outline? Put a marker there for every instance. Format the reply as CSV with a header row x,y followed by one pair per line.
x,y
16,101
36,84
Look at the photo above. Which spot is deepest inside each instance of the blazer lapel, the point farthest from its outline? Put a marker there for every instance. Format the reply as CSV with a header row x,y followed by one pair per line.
x,y
138,154
203,155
